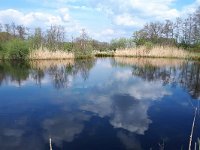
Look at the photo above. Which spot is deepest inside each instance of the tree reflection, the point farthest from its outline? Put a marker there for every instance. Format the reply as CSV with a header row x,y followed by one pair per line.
x,y
83,67
15,71
37,75
190,78
187,73
61,73
60,76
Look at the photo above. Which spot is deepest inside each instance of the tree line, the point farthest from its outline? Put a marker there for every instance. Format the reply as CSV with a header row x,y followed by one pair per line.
x,y
183,32
16,41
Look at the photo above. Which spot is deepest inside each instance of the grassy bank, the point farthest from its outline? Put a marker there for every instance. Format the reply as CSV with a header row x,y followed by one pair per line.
x,y
19,49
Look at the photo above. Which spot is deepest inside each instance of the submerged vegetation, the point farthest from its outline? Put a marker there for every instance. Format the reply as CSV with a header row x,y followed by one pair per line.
x,y
177,39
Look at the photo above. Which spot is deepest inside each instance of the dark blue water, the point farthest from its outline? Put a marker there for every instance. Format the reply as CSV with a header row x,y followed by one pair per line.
x,y
99,104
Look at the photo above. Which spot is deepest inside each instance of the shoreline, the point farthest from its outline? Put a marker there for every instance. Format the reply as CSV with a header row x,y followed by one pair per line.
x,y
140,52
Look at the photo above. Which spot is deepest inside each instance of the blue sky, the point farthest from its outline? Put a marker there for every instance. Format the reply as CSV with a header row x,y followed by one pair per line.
x,y
102,19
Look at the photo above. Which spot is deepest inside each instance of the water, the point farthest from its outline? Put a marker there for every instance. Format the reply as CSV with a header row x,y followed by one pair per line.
x,y
99,104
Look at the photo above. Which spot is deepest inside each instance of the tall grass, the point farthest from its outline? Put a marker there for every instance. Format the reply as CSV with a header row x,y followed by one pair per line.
x,y
47,54
157,51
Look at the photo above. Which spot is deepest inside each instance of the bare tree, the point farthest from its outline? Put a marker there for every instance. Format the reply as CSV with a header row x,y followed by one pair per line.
x,y
37,38
21,31
177,29
55,37
13,29
1,27
168,29
7,28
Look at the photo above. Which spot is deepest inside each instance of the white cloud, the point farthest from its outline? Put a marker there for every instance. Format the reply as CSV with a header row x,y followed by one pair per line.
x,y
155,8
29,19
65,127
123,16
140,89
128,102
42,19
125,20
107,32
65,14
133,118
148,90
123,75
121,11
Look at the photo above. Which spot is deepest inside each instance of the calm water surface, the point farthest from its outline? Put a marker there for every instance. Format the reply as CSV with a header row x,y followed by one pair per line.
x,y
99,104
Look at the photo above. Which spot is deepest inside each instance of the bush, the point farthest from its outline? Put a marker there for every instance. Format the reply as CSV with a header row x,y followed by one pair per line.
x,y
68,46
140,42
16,49
83,53
148,45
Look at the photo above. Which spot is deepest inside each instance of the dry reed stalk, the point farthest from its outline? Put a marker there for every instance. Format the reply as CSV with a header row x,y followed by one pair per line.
x,y
192,130
50,144
47,54
170,52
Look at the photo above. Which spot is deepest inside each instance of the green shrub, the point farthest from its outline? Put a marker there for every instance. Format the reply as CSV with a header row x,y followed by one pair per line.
x,y
140,41
85,52
16,49
68,46
148,45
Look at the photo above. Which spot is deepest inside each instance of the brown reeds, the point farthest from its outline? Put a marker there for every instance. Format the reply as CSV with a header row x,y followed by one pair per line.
x,y
47,54
157,51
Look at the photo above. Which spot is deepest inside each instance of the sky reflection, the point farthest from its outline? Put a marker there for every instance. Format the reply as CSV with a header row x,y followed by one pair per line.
x,y
79,102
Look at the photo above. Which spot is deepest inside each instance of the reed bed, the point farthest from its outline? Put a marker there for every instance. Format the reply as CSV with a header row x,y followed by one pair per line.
x,y
143,51
45,64
160,52
47,54
157,62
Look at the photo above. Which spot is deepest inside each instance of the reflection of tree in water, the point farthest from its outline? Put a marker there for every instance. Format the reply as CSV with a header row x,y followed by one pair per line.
x,y
83,67
150,73
15,71
190,78
37,75
186,74
62,75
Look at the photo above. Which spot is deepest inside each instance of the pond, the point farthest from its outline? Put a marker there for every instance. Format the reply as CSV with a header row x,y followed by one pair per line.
x,y
99,104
